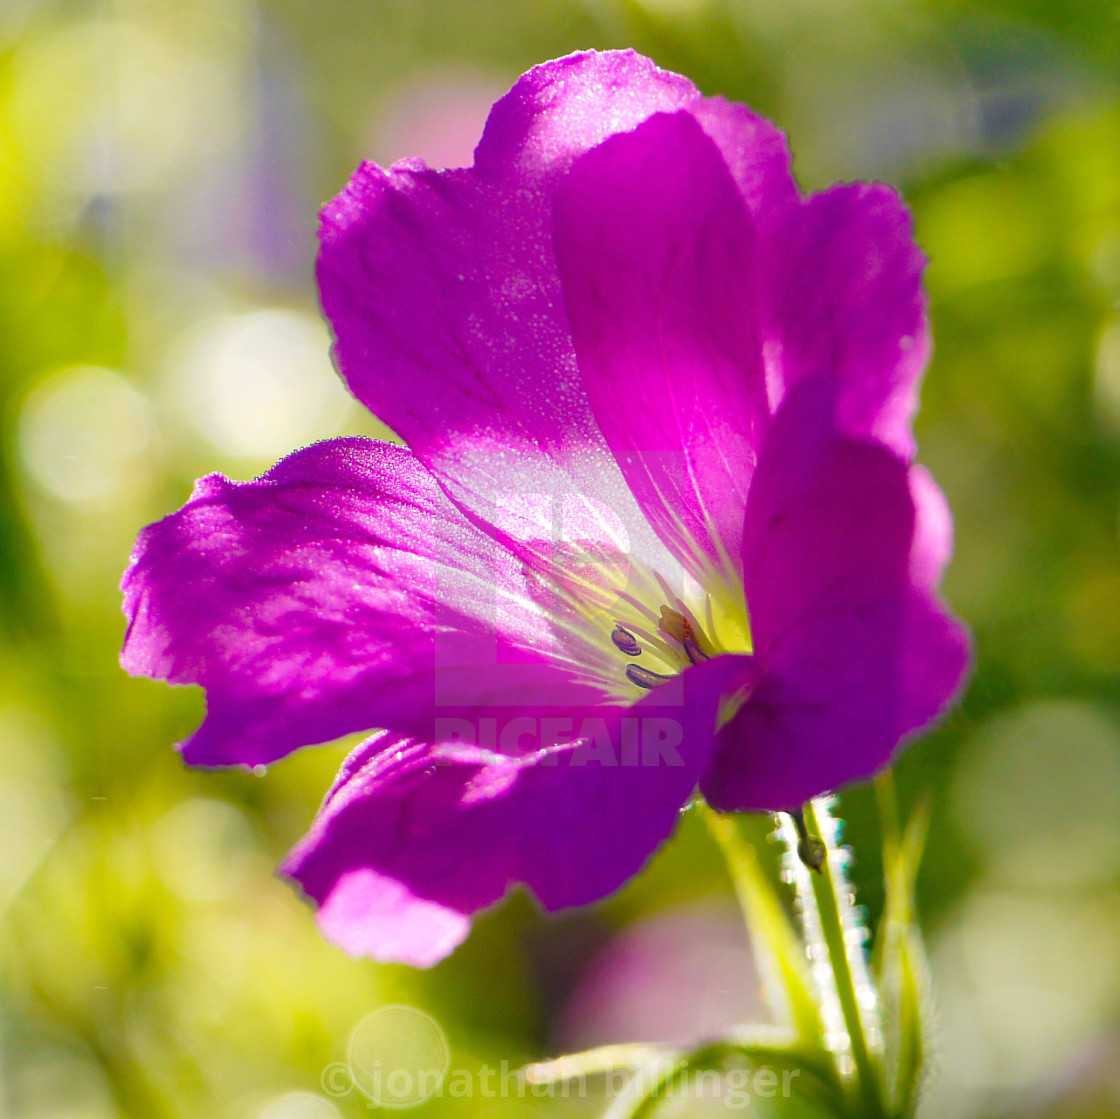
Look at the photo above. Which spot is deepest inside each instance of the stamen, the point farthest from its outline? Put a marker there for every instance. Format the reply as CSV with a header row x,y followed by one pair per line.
x,y
625,641
675,625
652,642
695,654
638,605
643,677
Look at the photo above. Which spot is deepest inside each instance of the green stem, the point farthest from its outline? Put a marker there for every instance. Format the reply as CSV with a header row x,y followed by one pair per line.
x,y
887,801
777,950
867,1079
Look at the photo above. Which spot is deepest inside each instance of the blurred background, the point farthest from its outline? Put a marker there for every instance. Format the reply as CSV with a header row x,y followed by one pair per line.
x,y
161,165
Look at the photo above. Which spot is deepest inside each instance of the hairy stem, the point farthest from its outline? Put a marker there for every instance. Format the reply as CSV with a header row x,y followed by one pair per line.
x,y
840,933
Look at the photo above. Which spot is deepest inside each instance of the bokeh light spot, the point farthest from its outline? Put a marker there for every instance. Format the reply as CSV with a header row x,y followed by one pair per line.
x,y
1039,791
1022,983
299,1105
205,849
398,1056
258,384
1106,382
83,434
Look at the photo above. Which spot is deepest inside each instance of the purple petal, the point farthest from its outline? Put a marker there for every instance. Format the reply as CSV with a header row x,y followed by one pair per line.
x,y
416,840
655,250
341,591
933,533
560,109
853,651
757,156
443,294
845,298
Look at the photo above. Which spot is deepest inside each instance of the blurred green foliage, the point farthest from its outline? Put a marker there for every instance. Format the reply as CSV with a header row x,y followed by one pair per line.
x,y
160,169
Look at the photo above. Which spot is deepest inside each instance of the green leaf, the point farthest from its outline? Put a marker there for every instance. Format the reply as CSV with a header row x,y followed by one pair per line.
x,y
815,1081
899,959
605,1058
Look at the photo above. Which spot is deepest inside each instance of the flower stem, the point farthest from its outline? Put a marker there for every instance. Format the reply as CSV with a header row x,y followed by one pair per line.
x,y
778,952
827,885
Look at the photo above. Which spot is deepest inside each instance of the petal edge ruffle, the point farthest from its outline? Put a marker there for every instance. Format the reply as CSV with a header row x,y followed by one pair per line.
x,y
416,839
339,592
854,650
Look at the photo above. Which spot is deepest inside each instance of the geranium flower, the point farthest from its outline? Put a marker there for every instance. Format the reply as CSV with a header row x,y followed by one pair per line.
x,y
656,525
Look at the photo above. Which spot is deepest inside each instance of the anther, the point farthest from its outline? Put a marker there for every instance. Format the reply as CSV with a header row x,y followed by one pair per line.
x,y
643,677
625,641
675,625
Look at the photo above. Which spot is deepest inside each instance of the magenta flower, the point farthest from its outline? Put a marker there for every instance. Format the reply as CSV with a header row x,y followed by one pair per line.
x,y
656,527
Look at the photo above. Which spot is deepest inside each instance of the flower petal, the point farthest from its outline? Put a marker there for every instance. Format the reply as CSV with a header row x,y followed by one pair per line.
x,y
853,651
844,297
933,533
442,291
417,839
757,156
341,591
655,251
